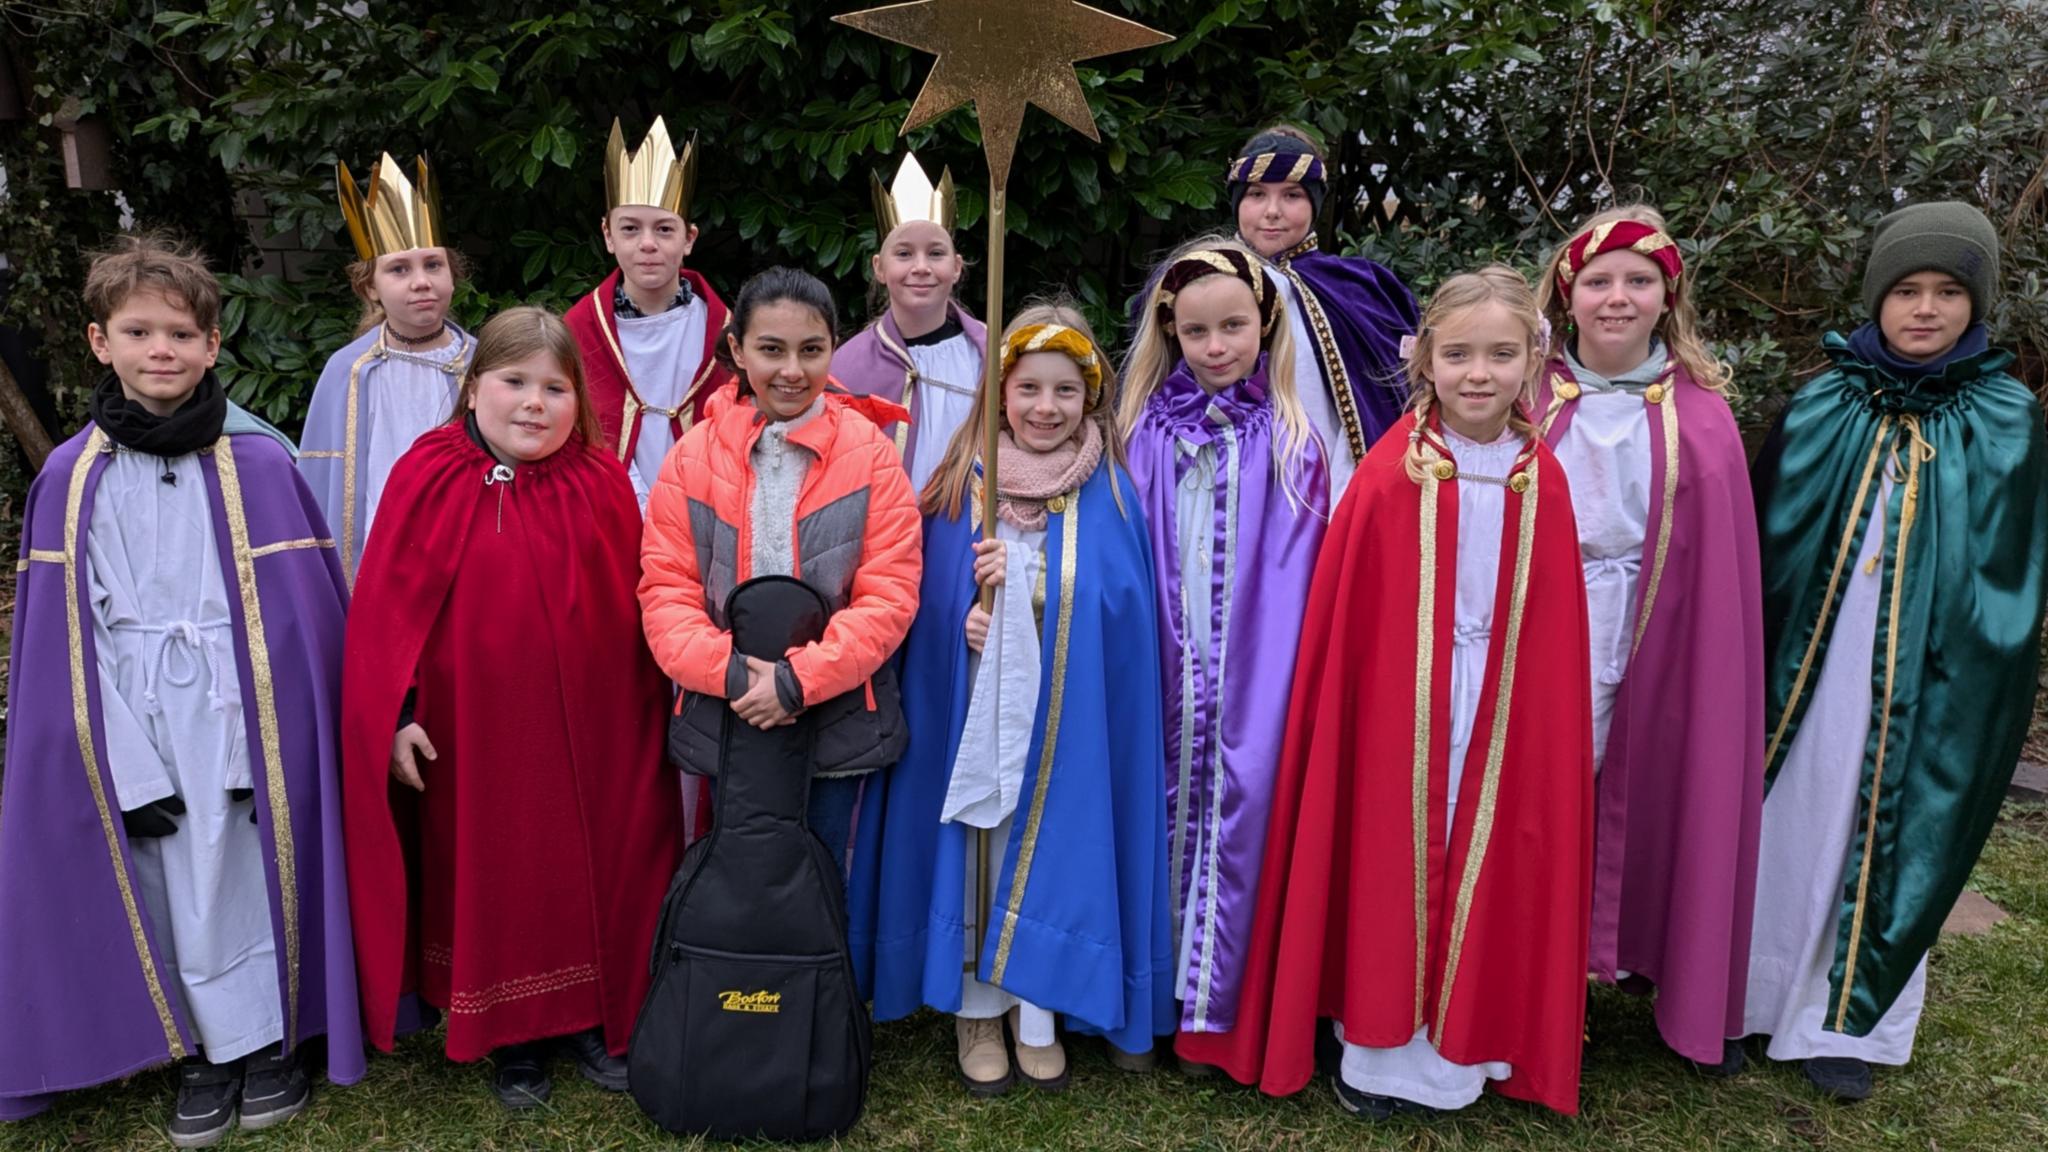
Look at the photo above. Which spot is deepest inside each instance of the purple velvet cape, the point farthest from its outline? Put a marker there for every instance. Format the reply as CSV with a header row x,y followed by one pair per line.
x,y
1680,795
1358,311
85,996
876,362
1224,776
334,452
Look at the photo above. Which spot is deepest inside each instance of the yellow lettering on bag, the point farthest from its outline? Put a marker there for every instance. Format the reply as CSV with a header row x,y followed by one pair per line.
x,y
763,1001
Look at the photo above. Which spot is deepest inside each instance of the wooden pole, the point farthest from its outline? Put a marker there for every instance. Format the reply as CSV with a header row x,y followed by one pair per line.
x,y
992,425
21,420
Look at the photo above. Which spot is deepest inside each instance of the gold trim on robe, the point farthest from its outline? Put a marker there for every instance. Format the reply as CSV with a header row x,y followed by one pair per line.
x,y
1425,690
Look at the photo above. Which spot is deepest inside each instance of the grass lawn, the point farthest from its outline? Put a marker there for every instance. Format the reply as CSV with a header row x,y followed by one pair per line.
x,y
1979,1080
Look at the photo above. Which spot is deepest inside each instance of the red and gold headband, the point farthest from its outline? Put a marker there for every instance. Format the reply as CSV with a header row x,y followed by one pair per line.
x,y
1621,236
1204,262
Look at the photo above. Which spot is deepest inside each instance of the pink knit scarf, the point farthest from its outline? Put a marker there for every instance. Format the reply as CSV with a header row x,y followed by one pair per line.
x,y
1025,480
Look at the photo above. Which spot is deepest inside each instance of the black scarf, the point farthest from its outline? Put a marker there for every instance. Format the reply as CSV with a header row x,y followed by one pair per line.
x,y
196,424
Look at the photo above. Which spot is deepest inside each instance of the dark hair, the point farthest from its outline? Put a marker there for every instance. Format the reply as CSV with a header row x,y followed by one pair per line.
x,y
773,286
152,262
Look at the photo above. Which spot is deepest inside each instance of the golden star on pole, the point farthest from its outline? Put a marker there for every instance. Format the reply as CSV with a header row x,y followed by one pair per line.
x,y
1002,55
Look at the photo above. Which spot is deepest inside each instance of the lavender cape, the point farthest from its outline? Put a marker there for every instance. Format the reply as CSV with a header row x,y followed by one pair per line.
x,y
1223,735
1680,795
876,362
85,996
334,450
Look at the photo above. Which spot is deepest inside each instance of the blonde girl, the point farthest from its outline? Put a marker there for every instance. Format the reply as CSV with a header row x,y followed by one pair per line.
x,y
1635,406
1229,475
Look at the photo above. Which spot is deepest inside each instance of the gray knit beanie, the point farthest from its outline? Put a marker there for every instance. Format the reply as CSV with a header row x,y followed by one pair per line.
x,y
1946,236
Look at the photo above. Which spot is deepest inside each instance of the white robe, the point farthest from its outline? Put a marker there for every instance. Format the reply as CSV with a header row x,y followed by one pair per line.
x,y
172,703
1317,402
1809,818
1416,1071
1194,511
412,393
948,375
1605,453
988,769
663,354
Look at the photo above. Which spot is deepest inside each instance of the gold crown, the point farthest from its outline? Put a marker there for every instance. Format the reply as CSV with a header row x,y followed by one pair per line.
x,y
913,197
397,215
652,175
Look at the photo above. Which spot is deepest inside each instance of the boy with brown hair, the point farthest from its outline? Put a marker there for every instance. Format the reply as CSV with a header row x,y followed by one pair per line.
x,y
171,874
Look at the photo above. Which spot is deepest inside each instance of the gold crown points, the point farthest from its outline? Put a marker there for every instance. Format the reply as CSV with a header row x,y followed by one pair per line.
x,y
913,196
652,175
396,215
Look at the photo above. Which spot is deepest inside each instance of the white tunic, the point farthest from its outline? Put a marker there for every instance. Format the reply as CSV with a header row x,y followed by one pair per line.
x,y
1313,389
1416,1071
948,375
663,354
1605,452
1194,511
1809,818
988,769
409,394
172,703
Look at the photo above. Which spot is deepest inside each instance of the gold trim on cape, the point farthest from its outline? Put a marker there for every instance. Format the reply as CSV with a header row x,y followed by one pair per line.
x,y
289,546
1667,403
1827,603
1496,750
1070,536
265,690
1918,451
1425,692
1332,360
81,720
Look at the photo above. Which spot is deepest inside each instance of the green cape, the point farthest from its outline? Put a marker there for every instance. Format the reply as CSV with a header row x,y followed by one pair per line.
x,y
1958,629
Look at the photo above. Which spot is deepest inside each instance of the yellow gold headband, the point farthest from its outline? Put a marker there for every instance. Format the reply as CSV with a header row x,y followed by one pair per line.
x,y
1062,339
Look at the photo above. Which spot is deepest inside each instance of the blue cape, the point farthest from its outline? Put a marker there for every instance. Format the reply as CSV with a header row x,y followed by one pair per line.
x,y
1081,910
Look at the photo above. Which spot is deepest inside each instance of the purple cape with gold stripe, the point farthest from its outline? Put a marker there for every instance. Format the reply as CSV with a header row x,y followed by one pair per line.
x,y
1680,795
85,996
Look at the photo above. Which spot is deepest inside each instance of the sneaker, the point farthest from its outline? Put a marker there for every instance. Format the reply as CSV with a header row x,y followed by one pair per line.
x,y
274,1088
1840,1077
984,1059
522,1078
1733,1061
206,1103
598,1066
1043,1066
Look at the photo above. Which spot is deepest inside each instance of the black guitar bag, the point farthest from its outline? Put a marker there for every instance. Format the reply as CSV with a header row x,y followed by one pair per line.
x,y
753,1027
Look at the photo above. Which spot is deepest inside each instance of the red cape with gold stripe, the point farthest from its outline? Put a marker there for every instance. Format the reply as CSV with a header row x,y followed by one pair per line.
x,y
619,408
1370,910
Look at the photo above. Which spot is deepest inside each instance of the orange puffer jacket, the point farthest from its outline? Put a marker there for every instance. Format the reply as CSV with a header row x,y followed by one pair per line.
x,y
856,540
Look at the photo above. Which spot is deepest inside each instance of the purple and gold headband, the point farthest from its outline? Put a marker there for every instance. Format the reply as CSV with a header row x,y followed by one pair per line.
x,y
1277,167
1204,262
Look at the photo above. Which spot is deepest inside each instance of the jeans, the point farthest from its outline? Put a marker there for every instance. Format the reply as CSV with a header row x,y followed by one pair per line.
x,y
834,802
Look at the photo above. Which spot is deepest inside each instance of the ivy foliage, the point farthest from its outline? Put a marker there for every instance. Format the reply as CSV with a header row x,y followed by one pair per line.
x,y
1773,134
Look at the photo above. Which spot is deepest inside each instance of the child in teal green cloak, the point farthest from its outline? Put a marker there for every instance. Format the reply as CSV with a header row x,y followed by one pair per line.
x,y
1904,526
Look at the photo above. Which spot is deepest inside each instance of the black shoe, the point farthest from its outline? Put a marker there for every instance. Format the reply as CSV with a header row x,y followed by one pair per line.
x,y
1733,1061
1370,1107
1840,1077
522,1081
206,1103
274,1088
597,1065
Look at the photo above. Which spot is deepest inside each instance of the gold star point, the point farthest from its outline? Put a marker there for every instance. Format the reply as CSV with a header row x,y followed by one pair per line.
x,y
1003,55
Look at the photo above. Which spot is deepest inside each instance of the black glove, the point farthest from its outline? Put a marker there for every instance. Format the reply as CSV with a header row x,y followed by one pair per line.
x,y
153,820
237,795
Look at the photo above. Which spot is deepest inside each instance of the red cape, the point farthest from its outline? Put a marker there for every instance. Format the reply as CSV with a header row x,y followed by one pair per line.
x,y
520,892
619,408
1493,963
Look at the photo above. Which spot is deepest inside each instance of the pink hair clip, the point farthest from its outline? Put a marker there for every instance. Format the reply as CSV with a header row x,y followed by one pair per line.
x,y
1408,347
